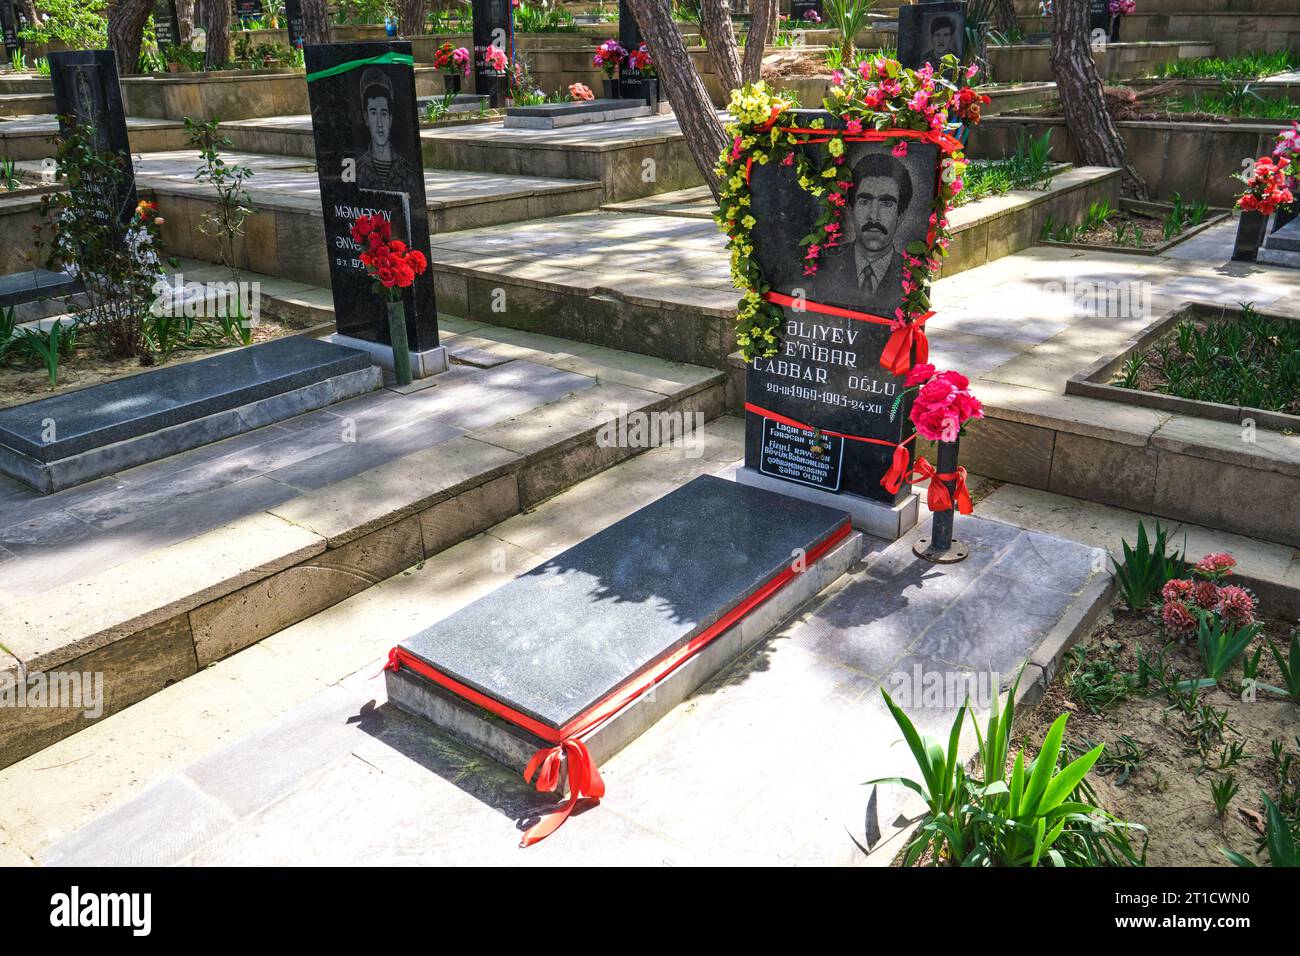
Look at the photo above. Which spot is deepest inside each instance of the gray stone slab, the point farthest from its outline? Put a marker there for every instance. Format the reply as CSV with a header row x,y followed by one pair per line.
x,y
75,469
553,642
989,611
576,108
20,287
128,407
158,828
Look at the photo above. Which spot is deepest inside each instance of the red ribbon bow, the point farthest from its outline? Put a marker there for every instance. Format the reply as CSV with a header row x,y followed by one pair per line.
x,y
897,474
897,356
584,781
939,498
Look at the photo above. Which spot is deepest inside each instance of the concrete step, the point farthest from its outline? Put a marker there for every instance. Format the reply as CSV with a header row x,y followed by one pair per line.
x,y
36,137
285,236
655,276
630,158
26,104
164,568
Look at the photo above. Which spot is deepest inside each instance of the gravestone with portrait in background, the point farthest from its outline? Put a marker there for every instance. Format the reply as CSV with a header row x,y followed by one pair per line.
x,y
367,135
826,376
87,92
493,30
928,31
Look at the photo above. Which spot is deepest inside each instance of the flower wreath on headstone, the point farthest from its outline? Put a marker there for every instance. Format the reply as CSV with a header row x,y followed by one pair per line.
x,y
880,101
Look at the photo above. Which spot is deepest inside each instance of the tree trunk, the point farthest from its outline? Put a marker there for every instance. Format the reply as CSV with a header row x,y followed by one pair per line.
x,y
716,27
126,20
1092,130
1004,15
28,8
315,22
214,17
184,21
682,85
411,14
762,23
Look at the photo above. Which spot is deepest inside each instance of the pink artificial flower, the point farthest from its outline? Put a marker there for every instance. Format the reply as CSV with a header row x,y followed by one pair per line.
x,y
918,374
957,379
789,160
853,127
1176,590
938,391
900,148
1205,595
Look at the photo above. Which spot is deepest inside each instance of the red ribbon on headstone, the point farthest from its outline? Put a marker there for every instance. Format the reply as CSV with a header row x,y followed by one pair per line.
x,y
897,355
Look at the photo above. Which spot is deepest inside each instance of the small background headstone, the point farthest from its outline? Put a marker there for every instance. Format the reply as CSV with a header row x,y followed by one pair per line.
x,y
295,24
10,23
632,84
928,31
493,27
356,179
246,10
166,25
799,10
86,91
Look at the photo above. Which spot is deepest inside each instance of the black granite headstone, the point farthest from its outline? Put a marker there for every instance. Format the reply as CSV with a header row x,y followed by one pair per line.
x,y
294,22
10,23
166,25
633,84
827,372
86,91
367,135
800,10
493,29
1099,15
928,31
246,10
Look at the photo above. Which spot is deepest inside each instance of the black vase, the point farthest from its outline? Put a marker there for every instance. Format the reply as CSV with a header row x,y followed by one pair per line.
x,y
611,89
637,87
1114,28
1251,228
451,83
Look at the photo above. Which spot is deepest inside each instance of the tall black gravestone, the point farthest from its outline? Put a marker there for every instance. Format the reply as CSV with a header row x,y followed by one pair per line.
x,y
86,92
166,25
633,84
294,22
1099,15
10,23
929,31
366,127
493,29
827,373
800,10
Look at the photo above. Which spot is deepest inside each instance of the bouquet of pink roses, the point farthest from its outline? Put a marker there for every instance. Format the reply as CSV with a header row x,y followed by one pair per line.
x,y
943,405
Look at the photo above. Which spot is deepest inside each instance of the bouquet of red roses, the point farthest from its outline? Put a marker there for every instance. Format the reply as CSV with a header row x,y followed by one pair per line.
x,y
1266,186
387,260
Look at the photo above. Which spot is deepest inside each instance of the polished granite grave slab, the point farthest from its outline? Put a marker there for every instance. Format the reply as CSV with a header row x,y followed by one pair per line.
x,y
560,115
556,641
68,439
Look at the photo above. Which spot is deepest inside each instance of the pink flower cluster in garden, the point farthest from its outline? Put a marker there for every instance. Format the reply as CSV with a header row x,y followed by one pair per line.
x,y
580,91
1186,600
943,404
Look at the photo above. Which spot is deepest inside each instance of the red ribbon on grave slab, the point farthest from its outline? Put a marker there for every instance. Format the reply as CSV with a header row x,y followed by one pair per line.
x,y
567,750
